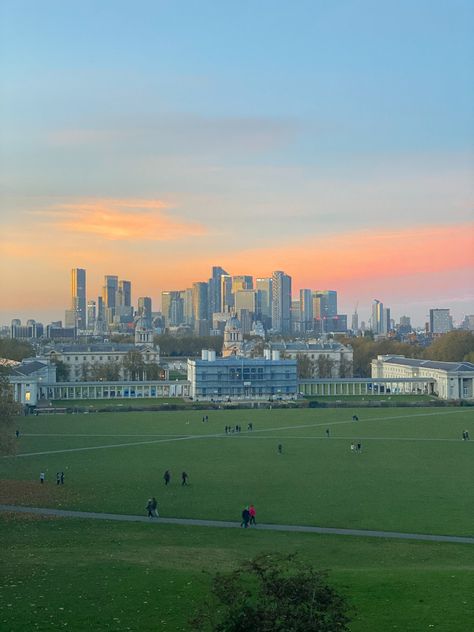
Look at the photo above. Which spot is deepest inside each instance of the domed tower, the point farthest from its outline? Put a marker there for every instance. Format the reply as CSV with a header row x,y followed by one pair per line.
x,y
143,335
233,340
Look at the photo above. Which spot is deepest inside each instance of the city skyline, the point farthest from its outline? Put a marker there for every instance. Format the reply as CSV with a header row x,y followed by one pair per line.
x,y
332,141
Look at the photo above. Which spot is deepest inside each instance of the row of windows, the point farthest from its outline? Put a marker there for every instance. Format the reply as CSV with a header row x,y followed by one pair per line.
x,y
218,392
247,375
94,357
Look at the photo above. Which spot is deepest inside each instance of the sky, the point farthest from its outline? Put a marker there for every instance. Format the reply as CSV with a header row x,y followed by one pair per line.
x,y
333,140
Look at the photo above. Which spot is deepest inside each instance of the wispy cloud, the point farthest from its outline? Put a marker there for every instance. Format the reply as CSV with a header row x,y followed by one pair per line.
x,y
115,219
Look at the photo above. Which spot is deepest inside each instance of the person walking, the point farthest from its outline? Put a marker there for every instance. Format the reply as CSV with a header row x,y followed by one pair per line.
x,y
245,518
252,514
42,477
167,477
149,508
61,478
327,432
184,479
58,478
280,448
154,507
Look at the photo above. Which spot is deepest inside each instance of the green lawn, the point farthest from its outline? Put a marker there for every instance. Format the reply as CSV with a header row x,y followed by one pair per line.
x,y
413,475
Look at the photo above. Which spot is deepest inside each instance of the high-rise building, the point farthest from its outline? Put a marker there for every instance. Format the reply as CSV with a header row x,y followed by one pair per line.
x,y
109,293
227,298
324,303
215,289
188,314
144,310
379,318
91,314
78,297
200,308
172,308
281,302
306,310
125,293
242,282
246,299
264,300
440,321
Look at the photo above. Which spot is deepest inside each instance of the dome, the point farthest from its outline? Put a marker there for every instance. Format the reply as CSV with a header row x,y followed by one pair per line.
x,y
232,323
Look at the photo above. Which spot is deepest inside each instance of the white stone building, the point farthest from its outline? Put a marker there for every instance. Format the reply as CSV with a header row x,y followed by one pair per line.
x,y
453,380
338,354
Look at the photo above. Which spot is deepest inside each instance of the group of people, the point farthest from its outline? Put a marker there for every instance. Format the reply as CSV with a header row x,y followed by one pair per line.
x,y
232,429
248,516
167,477
356,447
465,435
59,478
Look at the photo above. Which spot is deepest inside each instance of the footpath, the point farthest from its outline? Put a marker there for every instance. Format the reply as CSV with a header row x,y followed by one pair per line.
x,y
90,515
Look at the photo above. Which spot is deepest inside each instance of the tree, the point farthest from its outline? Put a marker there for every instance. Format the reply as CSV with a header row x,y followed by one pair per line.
x,y
304,365
324,366
273,593
8,410
108,371
13,349
345,367
62,371
454,346
133,365
153,371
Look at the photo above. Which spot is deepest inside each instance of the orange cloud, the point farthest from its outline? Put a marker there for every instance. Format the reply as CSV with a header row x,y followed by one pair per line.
x,y
114,219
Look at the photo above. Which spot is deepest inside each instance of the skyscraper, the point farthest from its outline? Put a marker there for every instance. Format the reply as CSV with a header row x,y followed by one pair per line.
x,y
264,300
78,296
281,302
306,310
144,310
379,318
200,308
227,298
440,321
125,291
215,289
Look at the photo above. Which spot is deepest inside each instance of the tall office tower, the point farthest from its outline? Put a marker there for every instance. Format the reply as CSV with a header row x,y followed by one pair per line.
x,y
177,309
109,295
91,314
295,313
227,298
264,300
144,310
246,299
200,308
440,321
78,296
109,292
100,309
188,313
387,319
327,303
215,290
281,302
379,319
125,292
242,282
355,322
166,300
306,310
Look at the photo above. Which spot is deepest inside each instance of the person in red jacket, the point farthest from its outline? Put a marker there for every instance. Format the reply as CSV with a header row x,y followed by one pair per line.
x,y
252,513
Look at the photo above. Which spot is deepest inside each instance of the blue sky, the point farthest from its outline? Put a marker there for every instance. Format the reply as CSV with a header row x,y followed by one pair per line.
x,y
296,118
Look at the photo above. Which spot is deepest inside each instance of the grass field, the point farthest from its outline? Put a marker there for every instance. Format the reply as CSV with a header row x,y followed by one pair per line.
x,y
414,475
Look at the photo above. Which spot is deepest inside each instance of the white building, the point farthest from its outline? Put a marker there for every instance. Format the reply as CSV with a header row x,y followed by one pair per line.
x,y
453,380
340,357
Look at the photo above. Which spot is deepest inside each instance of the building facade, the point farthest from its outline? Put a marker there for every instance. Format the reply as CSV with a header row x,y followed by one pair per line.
x,y
239,378
452,380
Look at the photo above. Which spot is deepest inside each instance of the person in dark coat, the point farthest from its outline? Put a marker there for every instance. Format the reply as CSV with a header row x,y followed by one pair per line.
x,y
245,518
184,478
167,477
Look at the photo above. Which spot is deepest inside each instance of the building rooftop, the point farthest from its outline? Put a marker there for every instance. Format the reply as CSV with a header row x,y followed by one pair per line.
x,y
105,347
430,364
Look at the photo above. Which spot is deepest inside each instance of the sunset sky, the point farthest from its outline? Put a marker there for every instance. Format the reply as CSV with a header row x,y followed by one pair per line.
x,y
333,140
